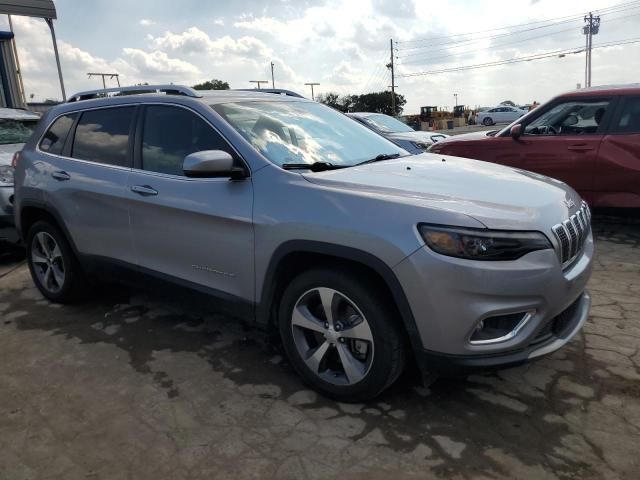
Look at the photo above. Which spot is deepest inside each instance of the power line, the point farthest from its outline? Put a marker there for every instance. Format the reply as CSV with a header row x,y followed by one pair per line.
x,y
576,16
539,56
430,59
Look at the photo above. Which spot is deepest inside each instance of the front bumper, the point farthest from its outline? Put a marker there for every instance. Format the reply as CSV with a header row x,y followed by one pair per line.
x,y
567,324
6,206
449,296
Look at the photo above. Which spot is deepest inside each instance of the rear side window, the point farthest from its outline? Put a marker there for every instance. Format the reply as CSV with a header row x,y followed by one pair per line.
x,y
629,119
102,136
172,133
53,140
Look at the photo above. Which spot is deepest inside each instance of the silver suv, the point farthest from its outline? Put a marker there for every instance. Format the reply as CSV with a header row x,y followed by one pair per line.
x,y
360,256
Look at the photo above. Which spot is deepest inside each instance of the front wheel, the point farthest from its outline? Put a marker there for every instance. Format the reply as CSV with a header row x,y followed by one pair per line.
x,y
339,334
487,121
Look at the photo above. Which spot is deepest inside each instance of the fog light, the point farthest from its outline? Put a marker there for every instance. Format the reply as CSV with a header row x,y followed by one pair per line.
x,y
499,328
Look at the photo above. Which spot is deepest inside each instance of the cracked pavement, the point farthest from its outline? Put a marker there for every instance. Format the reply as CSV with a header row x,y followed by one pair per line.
x,y
132,384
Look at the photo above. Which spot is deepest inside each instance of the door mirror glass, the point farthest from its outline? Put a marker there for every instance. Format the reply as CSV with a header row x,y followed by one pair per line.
x,y
208,163
516,131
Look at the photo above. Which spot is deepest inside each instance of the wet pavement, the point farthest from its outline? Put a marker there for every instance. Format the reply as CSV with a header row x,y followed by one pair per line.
x,y
136,385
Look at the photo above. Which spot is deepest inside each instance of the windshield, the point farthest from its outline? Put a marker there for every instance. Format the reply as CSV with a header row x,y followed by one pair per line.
x,y
304,132
16,131
386,124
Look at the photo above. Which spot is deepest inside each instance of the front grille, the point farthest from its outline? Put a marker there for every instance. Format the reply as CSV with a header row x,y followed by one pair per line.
x,y
572,233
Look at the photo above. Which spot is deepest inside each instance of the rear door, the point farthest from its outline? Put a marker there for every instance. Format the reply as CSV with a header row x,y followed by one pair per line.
x,y
87,175
617,183
195,229
561,147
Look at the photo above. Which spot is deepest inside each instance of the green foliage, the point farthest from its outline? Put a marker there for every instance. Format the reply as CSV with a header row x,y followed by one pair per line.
x,y
213,84
378,102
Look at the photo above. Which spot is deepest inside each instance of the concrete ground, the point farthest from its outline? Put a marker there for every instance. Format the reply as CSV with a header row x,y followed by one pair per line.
x,y
134,385
472,128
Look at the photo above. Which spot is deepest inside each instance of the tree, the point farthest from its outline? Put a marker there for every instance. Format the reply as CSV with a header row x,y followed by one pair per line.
x,y
213,84
508,102
377,102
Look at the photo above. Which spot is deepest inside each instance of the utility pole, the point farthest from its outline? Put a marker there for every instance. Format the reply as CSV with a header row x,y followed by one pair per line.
x,y
104,75
273,82
393,80
591,28
258,82
311,84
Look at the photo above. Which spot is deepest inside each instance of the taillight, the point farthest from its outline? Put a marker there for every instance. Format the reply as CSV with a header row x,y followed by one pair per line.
x,y
15,159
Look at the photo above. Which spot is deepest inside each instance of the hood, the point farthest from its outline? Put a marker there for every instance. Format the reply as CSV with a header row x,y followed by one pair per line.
x,y
464,137
7,151
499,197
417,136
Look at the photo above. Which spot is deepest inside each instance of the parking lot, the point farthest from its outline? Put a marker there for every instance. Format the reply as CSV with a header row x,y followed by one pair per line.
x,y
132,384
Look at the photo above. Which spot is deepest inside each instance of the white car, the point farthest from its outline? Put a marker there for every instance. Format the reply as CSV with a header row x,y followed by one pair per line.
x,y
500,114
16,127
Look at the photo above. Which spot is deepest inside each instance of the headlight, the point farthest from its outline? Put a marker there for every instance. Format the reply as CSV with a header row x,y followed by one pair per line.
x,y
481,244
6,175
421,145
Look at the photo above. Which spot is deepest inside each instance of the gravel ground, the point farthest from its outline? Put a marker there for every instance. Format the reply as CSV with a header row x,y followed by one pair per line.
x,y
135,385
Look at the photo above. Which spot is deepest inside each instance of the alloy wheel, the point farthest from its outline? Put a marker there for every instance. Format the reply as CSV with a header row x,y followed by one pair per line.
x,y
47,261
332,336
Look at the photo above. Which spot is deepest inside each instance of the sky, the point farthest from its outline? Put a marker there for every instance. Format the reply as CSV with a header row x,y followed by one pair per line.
x,y
342,44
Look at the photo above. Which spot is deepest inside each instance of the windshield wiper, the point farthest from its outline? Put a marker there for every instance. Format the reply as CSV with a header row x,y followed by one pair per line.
x,y
378,158
314,167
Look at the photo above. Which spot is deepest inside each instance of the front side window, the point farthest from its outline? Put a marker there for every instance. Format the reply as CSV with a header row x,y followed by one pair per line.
x,y
386,124
53,140
572,117
16,131
102,136
629,119
295,132
172,133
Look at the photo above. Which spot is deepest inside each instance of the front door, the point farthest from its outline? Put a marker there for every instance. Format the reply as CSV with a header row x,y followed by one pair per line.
x,y
563,141
195,229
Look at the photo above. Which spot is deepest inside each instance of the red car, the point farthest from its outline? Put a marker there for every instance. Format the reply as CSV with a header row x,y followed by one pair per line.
x,y
588,138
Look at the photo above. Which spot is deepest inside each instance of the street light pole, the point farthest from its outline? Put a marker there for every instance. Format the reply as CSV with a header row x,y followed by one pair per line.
x,y
273,82
258,82
311,84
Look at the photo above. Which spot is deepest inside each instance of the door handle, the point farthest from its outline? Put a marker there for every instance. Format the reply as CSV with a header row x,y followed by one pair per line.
x,y
61,175
144,190
580,147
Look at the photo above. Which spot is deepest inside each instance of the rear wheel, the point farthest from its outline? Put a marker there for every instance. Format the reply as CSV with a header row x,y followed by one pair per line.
x,y
339,334
488,121
54,268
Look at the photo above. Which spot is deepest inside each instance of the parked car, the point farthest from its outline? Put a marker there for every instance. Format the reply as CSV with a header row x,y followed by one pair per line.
x,y
588,138
358,255
401,134
499,114
16,127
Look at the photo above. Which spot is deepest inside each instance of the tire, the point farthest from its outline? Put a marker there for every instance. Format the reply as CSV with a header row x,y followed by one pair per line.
x,y
49,251
487,121
363,335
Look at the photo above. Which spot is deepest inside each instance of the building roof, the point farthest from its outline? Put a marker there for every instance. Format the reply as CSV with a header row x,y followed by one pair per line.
x,y
29,8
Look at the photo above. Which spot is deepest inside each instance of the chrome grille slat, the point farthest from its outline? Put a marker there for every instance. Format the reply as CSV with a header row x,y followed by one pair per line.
x,y
572,233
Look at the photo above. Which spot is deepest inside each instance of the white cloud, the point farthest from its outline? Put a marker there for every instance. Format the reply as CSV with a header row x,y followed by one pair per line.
x,y
145,22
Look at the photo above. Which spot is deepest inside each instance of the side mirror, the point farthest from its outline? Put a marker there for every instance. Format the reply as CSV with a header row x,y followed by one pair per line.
x,y
516,131
208,163
571,120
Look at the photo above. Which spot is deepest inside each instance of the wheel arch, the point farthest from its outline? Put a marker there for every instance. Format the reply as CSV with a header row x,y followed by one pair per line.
x,y
293,257
32,211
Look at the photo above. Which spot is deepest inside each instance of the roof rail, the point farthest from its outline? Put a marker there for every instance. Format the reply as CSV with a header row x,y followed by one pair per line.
x,y
135,90
277,91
